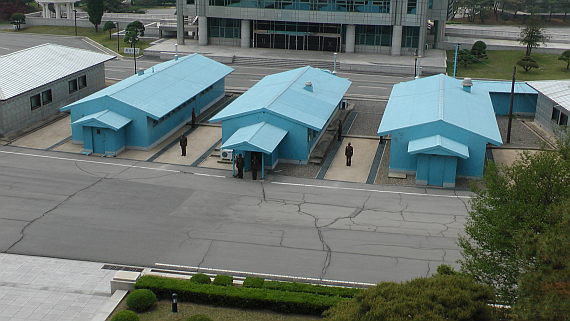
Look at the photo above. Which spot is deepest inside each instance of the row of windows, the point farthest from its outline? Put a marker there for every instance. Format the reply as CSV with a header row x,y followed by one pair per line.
x,y
296,27
374,6
80,83
39,100
559,117
410,37
373,35
224,28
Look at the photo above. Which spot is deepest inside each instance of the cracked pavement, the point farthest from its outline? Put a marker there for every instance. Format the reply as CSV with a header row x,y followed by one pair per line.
x,y
137,213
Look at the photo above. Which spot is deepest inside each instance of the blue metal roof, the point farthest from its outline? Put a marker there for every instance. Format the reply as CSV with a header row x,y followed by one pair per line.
x,y
162,88
501,86
283,94
440,98
104,119
438,145
260,137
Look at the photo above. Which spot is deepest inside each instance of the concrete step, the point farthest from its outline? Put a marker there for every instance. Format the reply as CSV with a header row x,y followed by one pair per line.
x,y
279,62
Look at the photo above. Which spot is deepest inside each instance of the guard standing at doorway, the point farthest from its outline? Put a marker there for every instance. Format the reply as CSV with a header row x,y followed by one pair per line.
x,y
193,118
348,152
240,163
183,144
254,165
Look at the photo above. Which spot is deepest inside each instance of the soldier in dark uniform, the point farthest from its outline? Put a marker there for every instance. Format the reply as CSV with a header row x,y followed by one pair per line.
x,y
254,165
193,118
183,144
339,130
240,162
348,152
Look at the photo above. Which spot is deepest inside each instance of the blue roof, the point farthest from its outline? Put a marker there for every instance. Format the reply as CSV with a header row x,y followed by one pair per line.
x,y
440,98
438,145
502,86
162,88
104,119
283,94
260,137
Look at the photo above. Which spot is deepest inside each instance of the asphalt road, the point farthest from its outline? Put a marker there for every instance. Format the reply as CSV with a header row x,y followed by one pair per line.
x,y
138,213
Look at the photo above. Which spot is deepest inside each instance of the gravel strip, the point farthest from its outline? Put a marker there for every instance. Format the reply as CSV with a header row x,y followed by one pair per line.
x,y
294,170
365,124
371,107
521,135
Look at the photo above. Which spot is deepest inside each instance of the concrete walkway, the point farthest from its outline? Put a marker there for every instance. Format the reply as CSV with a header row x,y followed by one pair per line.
x,y
38,288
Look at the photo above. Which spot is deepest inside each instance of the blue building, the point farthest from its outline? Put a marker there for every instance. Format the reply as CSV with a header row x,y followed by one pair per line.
x,y
439,129
524,98
283,116
145,109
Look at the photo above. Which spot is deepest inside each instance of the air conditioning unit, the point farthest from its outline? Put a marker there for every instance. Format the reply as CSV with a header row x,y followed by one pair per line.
x,y
226,154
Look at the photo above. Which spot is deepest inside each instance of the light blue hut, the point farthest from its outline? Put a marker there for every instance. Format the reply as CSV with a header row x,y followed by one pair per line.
x,y
283,116
439,129
145,109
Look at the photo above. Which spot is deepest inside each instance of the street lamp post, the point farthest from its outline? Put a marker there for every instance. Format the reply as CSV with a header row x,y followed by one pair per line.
x,y
118,36
416,64
75,17
334,67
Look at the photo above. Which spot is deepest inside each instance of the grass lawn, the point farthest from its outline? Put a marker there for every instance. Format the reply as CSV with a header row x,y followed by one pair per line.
x,y
163,312
500,66
102,37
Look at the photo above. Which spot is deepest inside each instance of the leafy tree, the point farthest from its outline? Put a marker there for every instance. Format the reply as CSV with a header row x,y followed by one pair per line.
x,y
109,25
544,288
479,50
533,34
17,19
95,9
565,56
465,57
133,31
527,63
112,5
8,8
442,297
512,201
483,16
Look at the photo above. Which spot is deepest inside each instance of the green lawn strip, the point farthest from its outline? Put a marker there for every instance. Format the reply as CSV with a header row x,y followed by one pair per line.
x,y
500,66
163,312
239,297
101,37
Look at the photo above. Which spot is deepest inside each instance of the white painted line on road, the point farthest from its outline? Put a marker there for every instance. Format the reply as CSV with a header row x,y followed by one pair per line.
x,y
4,48
112,164
369,190
260,274
372,87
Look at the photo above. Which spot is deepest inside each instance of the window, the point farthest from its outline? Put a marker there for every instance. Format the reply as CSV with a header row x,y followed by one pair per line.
x,y
35,101
82,82
412,4
555,114
410,37
563,119
224,28
46,97
374,35
72,86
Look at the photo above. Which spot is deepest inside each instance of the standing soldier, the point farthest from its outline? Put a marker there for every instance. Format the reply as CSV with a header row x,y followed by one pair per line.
x,y
348,152
183,144
254,165
339,130
240,162
193,118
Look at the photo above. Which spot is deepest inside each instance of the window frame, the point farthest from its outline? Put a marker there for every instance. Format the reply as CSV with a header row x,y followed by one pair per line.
x,y
80,80
35,98
72,86
44,94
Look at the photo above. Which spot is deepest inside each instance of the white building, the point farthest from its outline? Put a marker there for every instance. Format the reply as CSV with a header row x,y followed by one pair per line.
x,y
553,104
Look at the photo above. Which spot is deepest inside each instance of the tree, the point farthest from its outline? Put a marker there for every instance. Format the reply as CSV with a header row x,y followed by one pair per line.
x,y
465,57
527,63
17,19
133,31
479,50
513,200
109,25
565,56
442,297
95,9
7,9
533,34
544,288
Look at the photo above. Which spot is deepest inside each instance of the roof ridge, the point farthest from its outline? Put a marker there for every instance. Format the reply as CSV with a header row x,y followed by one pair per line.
x,y
286,87
441,96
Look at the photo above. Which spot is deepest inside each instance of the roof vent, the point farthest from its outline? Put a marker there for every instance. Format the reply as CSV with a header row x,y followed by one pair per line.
x,y
141,72
308,86
467,84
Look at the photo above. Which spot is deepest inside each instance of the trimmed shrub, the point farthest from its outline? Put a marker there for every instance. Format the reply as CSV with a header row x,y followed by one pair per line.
x,y
200,278
309,288
253,282
239,297
141,300
199,317
125,315
223,280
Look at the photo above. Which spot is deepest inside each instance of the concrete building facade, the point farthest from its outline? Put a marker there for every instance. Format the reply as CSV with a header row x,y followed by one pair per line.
x,y
553,104
36,82
396,27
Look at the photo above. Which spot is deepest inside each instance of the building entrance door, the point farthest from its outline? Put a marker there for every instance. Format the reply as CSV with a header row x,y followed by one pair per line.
x,y
98,140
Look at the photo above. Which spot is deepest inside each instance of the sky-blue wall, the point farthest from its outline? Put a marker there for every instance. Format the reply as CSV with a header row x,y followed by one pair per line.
x,y
522,103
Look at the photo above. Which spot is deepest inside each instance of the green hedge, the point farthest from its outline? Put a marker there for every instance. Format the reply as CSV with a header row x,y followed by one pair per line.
x,y
224,280
141,300
253,282
309,288
239,297
200,278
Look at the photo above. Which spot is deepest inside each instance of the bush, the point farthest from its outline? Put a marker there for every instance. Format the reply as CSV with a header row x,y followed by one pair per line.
x,y
141,300
125,315
253,282
239,297
479,50
199,317
309,288
223,280
505,17
200,278
444,297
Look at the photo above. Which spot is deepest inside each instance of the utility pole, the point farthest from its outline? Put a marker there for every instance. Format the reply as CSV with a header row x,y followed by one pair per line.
x,y
455,63
75,16
118,36
511,106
